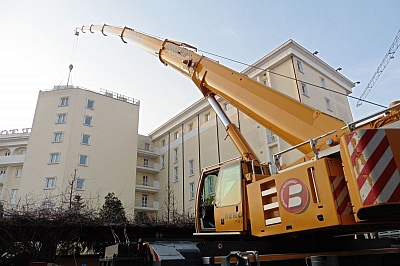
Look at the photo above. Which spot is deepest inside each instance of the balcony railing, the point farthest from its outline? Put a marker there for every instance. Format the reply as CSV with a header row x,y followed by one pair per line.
x,y
150,168
152,206
12,159
149,188
148,153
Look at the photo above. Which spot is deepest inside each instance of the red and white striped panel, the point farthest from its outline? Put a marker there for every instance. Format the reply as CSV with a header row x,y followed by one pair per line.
x,y
341,194
374,166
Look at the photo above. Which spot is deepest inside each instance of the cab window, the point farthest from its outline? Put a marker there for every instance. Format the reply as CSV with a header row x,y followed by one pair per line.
x,y
228,188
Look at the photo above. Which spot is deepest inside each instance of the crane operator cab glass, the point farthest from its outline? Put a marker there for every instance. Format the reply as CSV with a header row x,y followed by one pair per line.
x,y
221,207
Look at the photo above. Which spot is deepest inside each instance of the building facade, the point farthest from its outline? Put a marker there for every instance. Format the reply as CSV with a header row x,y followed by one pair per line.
x,y
82,142
195,138
79,135
13,145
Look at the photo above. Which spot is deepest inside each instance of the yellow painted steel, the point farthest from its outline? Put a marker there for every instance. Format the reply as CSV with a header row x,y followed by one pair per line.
x,y
240,142
320,205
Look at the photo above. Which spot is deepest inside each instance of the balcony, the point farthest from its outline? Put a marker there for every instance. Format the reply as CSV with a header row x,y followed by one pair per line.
x,y
12,160
149,188
149,168
155,206
148,153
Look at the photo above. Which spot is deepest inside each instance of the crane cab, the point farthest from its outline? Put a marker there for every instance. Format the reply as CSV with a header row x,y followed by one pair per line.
x,y
221,205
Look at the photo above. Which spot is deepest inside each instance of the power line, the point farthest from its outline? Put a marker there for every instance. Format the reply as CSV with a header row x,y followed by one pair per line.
x,y
278,74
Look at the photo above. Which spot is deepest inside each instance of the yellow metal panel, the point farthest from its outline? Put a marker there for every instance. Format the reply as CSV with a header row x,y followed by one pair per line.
x,y
229,219
371,164
305,196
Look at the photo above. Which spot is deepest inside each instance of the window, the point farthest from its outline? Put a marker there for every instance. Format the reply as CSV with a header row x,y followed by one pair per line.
x,y
210,184
227,106
229,187
13,196
2,172
328,104
190,127
18,172
145,200
304,89
58,136
176,135
176,174
146,162
145,180
271,137
191,167
299,65
80,184
163,143
64,101
323,82
191,191
46,205
61,118
54,158
88,120
83,160
147,146
89,104
7,153
85,139
175,155
207,117
50,183
162,161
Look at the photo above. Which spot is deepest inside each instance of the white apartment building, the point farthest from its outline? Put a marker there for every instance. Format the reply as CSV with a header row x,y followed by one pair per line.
x,y
13,145
79,129
74,129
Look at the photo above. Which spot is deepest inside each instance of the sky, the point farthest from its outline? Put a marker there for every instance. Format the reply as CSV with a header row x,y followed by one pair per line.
x,y
37,44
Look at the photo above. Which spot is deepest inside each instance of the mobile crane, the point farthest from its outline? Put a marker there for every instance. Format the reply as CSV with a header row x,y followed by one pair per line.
x,y
347,182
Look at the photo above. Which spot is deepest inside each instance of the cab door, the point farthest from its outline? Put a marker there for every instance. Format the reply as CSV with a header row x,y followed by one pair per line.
x,y
228,207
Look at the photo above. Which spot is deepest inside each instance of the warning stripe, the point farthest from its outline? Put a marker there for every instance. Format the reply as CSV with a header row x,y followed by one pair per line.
x,y
371,161
376,171
371,178
395,197
362,143
349,137
341,194
380,184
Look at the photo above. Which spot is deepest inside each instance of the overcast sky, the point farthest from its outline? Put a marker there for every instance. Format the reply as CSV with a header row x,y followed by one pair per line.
x,y
37,40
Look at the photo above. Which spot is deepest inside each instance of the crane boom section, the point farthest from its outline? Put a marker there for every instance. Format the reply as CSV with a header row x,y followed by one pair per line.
x,y
290,119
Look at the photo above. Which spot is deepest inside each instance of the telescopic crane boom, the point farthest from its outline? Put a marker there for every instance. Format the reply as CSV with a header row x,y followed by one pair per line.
x,y
291,120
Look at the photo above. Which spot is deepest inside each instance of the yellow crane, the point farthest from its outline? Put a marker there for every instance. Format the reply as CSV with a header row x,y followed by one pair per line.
x,y
347,181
